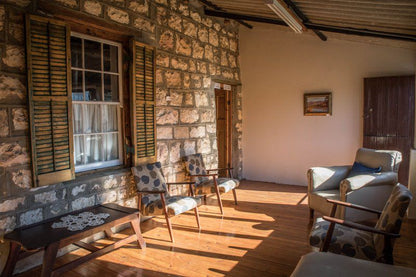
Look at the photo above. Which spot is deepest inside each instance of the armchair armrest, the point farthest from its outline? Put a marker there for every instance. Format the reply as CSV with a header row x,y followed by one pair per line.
x,y
151,191
374,179
220,169
205,175
326,178
180,183
354,206
359,226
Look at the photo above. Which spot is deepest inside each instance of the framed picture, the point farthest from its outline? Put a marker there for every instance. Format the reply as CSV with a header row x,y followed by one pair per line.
x,y
317,103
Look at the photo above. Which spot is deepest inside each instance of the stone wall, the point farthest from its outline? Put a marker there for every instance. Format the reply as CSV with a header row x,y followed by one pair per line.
x,y
194,51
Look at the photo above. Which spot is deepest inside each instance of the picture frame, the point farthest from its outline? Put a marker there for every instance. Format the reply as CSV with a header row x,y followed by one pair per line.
x,y
317,104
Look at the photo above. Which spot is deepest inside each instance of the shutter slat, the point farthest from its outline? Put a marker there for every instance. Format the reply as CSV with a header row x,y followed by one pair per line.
x,y
143,78
50,100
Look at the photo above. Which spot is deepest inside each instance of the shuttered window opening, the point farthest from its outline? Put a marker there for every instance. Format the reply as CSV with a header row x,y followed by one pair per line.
x,y
143,104
50,100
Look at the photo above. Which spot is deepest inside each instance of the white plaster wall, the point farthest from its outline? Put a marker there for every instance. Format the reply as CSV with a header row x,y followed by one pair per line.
x,y
278,67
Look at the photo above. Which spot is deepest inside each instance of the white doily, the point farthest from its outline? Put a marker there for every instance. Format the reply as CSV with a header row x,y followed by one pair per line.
x,y
79,222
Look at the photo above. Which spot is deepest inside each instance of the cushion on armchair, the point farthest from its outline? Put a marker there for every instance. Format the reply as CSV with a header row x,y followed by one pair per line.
x,y
358,168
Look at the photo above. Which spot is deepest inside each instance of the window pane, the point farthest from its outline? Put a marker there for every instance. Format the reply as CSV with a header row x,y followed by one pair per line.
x,y
110,58
91,118
110,119
79,150
110,88
76,52
78,118
92,51
93,149
77,89
110,147
93,86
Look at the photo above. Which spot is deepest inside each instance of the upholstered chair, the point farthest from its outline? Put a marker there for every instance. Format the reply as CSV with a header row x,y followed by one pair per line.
x,y
207,182
361,241
368,182
154,197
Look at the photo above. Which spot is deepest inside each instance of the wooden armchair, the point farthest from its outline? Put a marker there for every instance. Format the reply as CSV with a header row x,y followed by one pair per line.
x,y
154,197
207,182
361,241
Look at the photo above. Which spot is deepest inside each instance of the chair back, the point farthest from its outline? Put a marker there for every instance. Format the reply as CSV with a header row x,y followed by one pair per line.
x,y
149,177
195,166
389,160
392,215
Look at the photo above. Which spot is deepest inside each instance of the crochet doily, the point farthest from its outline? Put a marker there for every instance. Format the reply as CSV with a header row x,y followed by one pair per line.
x,y
79,222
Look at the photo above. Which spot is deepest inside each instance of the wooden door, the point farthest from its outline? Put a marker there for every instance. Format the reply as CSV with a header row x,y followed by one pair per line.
x,y
389,116
223,116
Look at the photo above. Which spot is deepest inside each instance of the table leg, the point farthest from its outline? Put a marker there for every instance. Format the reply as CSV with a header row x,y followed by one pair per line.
x,y
49,259
12,259
135,223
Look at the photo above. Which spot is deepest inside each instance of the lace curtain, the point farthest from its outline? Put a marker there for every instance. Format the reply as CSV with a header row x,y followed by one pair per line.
x,y
95,133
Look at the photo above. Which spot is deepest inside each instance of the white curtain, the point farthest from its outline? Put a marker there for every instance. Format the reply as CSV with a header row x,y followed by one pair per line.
x,y
95,133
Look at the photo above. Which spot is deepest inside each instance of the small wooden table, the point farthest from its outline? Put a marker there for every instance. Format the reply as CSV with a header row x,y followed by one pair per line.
x,y
28,240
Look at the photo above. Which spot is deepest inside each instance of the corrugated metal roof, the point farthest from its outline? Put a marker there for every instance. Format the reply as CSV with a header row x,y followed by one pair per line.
x,y
395,16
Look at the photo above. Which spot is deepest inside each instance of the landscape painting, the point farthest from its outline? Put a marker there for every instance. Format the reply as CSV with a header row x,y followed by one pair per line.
x,y
317,104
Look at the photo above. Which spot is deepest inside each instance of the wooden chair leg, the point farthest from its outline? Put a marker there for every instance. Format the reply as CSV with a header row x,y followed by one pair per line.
x,y
12,259
217,191
235,196
205,199
135,224
311,213
162,196
49,258
197,218
327,241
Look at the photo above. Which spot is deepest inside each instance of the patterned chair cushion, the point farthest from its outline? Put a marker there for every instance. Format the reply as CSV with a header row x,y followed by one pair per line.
x,y
149,178
224,185
195,166
392,215
346,241
175,205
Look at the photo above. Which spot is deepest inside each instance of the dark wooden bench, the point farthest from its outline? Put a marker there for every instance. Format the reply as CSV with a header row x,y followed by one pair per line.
x,y
28,240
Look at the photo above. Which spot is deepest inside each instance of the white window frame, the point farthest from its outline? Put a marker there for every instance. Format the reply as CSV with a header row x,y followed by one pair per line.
x,y
103,164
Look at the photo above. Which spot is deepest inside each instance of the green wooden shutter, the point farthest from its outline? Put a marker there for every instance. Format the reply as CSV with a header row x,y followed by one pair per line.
x,y
50,103
143,103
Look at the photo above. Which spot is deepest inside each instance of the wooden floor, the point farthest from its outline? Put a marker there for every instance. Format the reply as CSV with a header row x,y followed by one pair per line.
x,y
264,235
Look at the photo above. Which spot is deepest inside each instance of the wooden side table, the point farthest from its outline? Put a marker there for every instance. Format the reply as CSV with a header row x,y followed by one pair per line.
x,y
28,240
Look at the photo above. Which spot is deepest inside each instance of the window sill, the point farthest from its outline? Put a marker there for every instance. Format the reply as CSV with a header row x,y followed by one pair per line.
x,y
95,174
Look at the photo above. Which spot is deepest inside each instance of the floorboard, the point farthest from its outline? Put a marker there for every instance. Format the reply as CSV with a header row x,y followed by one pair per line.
x,y
264,235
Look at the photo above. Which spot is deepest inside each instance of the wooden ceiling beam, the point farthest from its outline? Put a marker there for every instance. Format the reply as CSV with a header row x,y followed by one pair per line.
x,y
319,27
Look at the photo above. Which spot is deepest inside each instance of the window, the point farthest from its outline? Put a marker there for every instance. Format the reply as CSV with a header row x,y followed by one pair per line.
x,y
96,102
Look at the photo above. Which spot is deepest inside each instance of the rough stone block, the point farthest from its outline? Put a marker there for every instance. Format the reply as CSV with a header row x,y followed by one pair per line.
x,y
192,66
175,152
118,15
14,57
164,133
93,7
183,46
197,132
46,197
201,99
211,128
107,197
13,153
224,59
183,9
69,3
207,21
110,182
20,119
189,115
203,34
166,116
176,99
202,67
159,77
209,55
4,123
232,60
162,59
161,97
195,16
173,79
233,45
7,224
196,81
162,16
198,50
207,116
175,22
162,152
239,127
144,24
181,132
189,147
179,63
186,81
224,42
206,81
83,202
78,189
212,69
189,99
22,178
227,74
31,217
162,2
204,146
189,28
142,8
16,32
239,115
213,37
11,204
56,209
12,90
217,26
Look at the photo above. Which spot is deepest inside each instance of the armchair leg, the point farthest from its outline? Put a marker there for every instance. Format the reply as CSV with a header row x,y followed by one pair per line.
x,y
205,199
311,213
327,241
197,218
219,199
235,196
162,197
